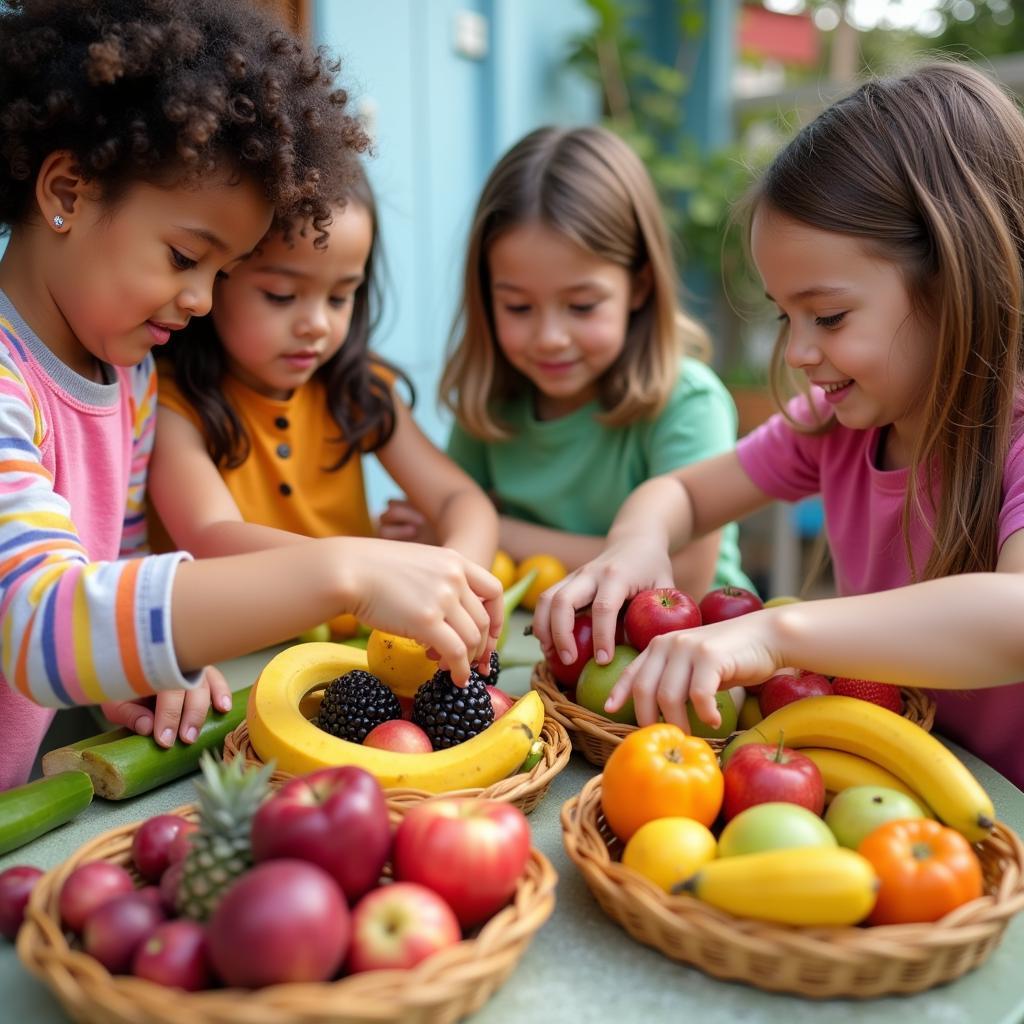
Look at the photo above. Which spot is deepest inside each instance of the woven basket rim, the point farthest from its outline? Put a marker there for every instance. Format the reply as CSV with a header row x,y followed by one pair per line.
x,y
918,707
462,975
668,922
514,789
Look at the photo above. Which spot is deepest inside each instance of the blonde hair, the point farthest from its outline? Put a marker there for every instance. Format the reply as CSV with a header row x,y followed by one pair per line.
x,y
589,186
927,170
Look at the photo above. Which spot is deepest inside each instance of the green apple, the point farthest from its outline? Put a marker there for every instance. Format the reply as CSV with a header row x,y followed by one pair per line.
x,y
859,810
773,826
596,682
726,708
750,713
318,634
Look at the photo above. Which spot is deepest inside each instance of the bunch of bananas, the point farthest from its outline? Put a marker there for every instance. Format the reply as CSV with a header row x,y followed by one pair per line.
x,y
278,730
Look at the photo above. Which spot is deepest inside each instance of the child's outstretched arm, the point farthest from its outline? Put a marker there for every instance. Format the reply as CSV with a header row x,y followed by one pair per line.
x,y
956,633
460,513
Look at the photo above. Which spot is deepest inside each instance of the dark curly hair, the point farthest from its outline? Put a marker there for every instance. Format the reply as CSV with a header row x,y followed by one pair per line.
x,y
358,384
169,91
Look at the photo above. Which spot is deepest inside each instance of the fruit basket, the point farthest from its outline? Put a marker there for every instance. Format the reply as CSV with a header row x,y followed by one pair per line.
x,y
596,737
525,790
821,963
446,986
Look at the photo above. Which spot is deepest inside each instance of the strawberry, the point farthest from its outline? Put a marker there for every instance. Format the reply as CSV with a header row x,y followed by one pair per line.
x,y
882,694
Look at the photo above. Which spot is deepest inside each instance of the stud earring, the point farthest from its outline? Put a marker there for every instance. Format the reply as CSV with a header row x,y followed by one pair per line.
x,y
58,221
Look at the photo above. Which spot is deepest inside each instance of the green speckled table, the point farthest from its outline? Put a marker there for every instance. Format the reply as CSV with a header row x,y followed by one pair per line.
x,y
581,966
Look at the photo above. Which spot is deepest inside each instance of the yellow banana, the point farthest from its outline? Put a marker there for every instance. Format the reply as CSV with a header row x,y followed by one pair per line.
x,y
808,886
840,770
897,744
278,730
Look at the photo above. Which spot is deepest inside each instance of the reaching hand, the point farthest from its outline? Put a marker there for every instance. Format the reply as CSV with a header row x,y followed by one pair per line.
x,y
432,595
694,664
605,583
402,521
176,713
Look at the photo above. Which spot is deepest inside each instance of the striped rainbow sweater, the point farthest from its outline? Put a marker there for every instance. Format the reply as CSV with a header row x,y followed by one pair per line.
x,y
84,616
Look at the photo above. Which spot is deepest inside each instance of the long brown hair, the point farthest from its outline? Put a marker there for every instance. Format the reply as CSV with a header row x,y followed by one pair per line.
x,y
356,382
927,170
588,185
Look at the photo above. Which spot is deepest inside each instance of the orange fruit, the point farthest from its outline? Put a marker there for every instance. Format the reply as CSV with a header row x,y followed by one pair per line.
x,y
504,567
343,626
549,572
669,850
398,662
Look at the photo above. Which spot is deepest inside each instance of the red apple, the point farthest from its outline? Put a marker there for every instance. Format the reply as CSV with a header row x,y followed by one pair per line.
x,y
653,612
470,852
398,925
180,843
398,734
760,773
336,818
169,882
728,603
282,921
500,701
151,844
16,885
583,634
784,689
175,955
115,929
88,886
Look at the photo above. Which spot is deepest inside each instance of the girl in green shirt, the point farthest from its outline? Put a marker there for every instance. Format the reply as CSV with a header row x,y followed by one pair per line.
x,y
574,375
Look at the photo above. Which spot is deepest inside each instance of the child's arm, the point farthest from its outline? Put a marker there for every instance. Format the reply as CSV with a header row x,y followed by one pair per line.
x,y
460,513
956,633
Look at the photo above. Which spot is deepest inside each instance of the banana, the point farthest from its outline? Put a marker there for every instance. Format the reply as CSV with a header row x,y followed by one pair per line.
x,y
891,741
278,730
840,770
809,886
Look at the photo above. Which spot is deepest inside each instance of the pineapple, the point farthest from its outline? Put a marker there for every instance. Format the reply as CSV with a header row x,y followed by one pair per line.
x,y
220,849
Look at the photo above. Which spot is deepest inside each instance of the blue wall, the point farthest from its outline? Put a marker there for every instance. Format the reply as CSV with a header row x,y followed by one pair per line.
x,y
440,120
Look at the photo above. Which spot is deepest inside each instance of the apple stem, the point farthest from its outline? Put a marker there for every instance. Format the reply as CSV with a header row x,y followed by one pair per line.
x,y
778,749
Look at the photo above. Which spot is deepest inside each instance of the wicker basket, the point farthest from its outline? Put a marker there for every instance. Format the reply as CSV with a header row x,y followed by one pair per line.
x,y
820,963
445,987
525,790
596,737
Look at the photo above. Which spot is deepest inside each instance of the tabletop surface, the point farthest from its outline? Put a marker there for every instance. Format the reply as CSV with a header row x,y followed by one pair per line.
x,y
581,966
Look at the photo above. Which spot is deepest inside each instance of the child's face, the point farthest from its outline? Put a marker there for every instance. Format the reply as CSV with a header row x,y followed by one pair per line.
x,y
126,274
560,313
852,328
282,313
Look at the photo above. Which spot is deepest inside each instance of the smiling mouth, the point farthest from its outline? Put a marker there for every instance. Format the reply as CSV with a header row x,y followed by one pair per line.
x,y
837,386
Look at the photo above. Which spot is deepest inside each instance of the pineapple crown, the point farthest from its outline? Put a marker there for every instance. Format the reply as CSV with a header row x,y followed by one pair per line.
x,y
230,790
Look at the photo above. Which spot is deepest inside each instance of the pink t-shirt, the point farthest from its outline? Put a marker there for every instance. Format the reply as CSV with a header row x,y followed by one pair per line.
x,y
863,508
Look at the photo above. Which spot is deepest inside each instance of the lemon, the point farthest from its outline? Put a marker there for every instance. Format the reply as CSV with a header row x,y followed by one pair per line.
x,y
549,572
398,662
669,850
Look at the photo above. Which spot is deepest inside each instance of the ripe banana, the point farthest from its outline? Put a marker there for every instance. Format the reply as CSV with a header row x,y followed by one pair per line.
x,y
897,744
278,730
809,886
840,770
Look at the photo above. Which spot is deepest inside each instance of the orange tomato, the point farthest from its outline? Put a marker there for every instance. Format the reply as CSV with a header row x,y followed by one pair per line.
x,y
925,870
504,567
549,572
660,771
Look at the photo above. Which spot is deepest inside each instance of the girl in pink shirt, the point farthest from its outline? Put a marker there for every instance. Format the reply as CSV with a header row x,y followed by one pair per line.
x,y
147,146
890,234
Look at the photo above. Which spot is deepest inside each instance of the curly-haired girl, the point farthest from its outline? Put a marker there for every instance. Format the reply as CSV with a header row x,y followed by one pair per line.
x,y
145,146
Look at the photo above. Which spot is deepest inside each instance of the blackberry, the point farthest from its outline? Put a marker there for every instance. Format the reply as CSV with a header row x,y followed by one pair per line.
x,y
451,714
491,676
355,703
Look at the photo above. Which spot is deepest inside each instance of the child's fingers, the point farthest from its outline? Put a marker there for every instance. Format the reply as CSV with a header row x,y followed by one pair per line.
x,y
194,710
672,692
555,615
487,587
703,687
451,652
220,690
137,717
168,714
624,685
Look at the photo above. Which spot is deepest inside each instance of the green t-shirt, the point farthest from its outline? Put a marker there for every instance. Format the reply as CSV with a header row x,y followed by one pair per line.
x,y
573,473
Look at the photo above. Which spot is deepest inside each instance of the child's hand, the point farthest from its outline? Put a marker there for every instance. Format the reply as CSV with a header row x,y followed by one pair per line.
x,y
177,712
402,521
434,595
693,664
605,583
